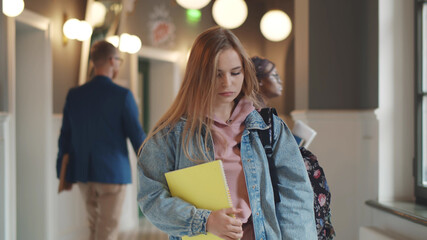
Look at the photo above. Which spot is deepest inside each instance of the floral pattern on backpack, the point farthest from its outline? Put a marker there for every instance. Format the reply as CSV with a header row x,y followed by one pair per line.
x,y
322,195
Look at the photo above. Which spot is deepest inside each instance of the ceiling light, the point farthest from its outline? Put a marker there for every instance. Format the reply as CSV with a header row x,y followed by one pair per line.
x,y
97,14
275,25
13,8
229,13
193,4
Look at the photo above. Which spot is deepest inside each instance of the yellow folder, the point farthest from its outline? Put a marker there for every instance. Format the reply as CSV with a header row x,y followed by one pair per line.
x,y
204,186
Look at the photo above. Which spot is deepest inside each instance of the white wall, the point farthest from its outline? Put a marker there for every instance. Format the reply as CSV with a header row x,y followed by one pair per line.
x,y
374,233
302,70
4,177
161,90
70,218
396,95
165,79
365,158
400,228
28,130
33,108
3,62
396,116
346,147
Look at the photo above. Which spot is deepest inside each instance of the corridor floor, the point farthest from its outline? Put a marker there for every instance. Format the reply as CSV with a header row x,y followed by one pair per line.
x,y
146,231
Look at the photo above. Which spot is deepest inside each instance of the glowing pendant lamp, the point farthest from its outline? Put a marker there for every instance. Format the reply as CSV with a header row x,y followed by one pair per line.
x,y
193,4
276,25
13,8
230,13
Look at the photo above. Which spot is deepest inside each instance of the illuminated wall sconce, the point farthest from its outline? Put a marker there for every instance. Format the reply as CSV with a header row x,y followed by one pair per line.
x,y
126,43
276,25
229,13
129,43
115,40
76,29
13,8
193,4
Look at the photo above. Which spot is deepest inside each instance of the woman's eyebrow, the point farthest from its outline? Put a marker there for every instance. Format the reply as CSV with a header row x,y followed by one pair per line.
x,y
233,69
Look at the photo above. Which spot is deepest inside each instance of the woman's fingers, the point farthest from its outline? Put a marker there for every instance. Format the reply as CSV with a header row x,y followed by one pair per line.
x,y
235,222
234,235
234,228
223,225
230,211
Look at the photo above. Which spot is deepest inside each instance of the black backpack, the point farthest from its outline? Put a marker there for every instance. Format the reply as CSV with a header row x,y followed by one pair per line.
x,y
322,195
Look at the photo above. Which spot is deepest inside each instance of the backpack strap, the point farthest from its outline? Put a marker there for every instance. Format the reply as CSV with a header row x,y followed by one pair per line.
x,y
267,139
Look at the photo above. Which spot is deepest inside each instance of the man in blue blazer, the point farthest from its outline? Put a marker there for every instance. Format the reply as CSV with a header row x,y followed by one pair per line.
x,y
98,118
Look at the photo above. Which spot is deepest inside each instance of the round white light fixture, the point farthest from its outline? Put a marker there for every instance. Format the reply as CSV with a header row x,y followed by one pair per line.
x,y
134,45
129,43
126,42
275,25
13,8
193,4
229,13
113,40
97,14
85,31
76,29
70,28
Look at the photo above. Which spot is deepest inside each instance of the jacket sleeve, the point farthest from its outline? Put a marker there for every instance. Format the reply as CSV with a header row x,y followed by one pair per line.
x,y
64,142
296,193
131,123
170,214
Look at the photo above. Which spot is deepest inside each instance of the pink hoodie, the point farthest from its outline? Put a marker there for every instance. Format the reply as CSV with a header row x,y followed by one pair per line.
x,y
226,138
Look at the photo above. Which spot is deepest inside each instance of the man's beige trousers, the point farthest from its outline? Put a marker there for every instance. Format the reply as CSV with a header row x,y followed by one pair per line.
x,y
104,203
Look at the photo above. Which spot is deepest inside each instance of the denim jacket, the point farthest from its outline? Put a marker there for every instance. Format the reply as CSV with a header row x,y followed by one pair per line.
x,y
291,218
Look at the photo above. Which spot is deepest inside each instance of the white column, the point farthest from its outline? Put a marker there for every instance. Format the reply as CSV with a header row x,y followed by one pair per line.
x,y
4,177
396,98
302,54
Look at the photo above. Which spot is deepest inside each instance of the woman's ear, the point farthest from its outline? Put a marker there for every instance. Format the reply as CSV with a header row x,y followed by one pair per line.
x,y
260,83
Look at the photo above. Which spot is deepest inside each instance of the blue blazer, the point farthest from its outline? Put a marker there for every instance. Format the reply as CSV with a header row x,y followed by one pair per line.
x,y
98,118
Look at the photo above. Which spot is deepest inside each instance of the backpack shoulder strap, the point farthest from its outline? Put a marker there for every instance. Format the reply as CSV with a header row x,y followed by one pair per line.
x,y
267,139
266,135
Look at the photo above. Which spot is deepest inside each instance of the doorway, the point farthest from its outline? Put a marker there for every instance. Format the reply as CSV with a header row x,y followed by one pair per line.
x,y
155,81
158,83
31,108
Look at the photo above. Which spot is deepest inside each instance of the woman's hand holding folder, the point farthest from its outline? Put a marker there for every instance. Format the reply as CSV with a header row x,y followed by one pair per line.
x,y
222,224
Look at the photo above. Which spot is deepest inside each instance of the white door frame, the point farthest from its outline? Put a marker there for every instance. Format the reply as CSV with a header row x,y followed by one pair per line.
x,y
160,55
173,57
40,23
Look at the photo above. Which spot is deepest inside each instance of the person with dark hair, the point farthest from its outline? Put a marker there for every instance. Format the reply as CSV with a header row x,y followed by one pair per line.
x,y
214,116
98,118
270,86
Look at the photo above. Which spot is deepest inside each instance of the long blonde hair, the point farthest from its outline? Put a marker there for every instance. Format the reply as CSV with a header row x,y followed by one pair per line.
x,y
196,95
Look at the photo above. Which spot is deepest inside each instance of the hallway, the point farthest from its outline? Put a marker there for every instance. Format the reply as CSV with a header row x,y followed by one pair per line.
x,y
146,231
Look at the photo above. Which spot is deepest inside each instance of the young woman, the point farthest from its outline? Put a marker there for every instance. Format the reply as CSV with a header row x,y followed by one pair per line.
x,y
214,117
270,86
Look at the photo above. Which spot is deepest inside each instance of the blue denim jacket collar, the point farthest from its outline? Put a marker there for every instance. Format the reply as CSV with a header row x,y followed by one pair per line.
x,y
255,121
